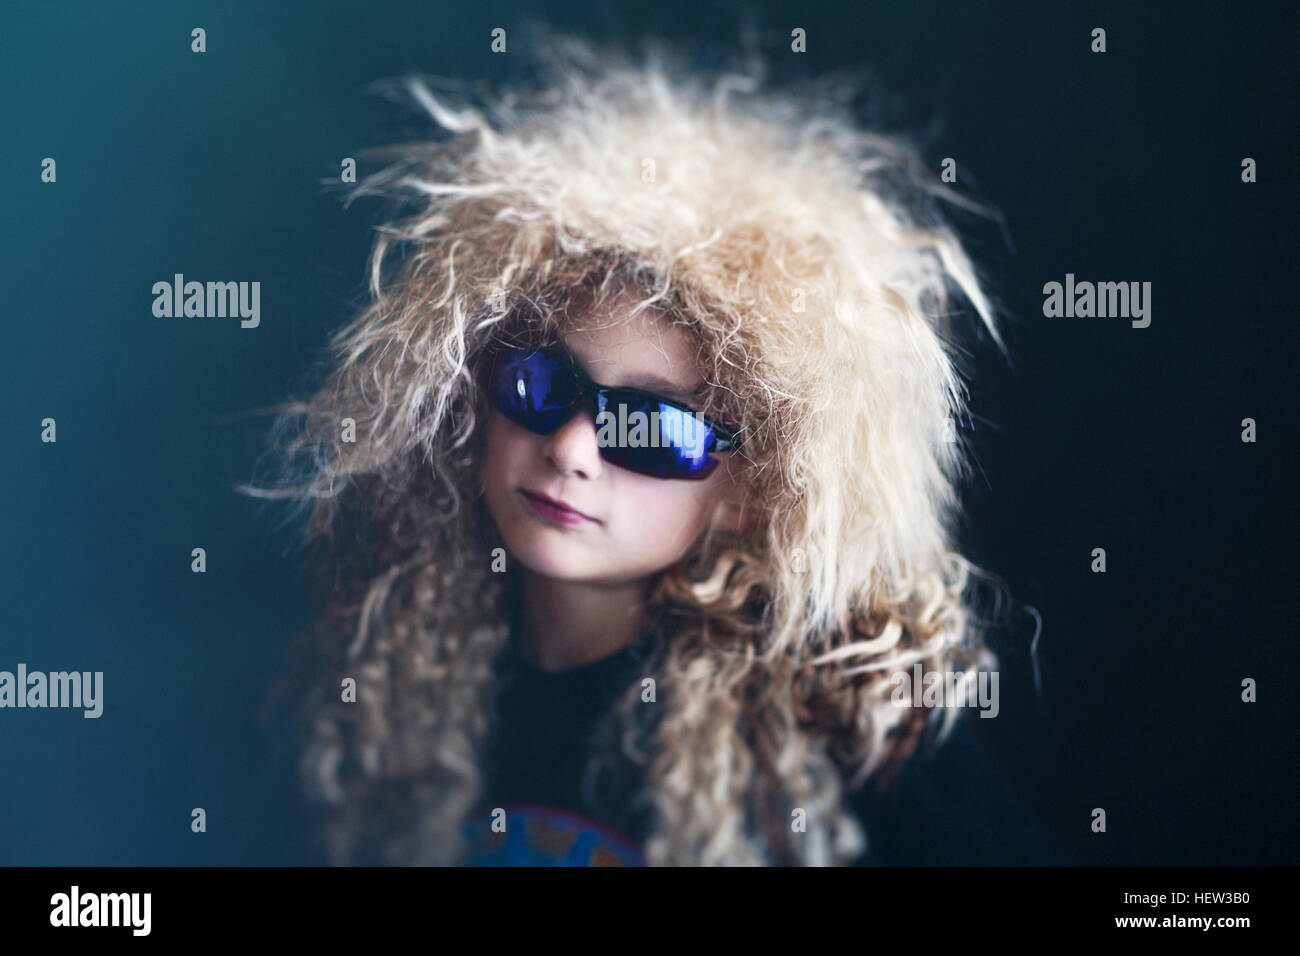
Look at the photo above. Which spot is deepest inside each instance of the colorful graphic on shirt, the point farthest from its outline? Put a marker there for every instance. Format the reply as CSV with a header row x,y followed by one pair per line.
x,y
546,836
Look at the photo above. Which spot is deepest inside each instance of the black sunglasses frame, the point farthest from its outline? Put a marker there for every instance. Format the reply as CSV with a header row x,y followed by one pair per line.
x,y
588,389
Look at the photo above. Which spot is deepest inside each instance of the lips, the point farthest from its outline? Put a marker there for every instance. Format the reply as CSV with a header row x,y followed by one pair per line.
x,y
554,509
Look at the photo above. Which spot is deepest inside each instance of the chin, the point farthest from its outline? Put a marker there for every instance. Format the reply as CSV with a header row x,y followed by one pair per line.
x,y
549,558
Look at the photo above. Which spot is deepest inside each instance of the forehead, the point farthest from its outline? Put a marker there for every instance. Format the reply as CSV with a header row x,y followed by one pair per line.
x,y
645,350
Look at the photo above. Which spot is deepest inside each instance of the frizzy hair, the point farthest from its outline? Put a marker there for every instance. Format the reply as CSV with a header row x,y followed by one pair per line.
x,y
808,261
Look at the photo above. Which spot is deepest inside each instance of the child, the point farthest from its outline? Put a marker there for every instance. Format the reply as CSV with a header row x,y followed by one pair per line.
x,y
560,630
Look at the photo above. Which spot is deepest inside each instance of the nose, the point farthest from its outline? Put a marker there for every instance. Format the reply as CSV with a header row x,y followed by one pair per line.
x,y
573,448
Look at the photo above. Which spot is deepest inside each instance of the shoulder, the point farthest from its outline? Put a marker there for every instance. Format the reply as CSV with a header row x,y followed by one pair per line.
x,y
955,804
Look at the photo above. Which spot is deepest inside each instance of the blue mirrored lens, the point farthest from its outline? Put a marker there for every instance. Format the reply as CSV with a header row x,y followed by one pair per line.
x,y
652,438
533,390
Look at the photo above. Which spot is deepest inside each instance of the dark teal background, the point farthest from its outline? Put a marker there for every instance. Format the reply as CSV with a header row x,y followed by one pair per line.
x,y
1123,166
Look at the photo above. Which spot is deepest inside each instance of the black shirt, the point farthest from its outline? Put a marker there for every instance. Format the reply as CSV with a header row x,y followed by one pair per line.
x,y
956,806
544,803
544,729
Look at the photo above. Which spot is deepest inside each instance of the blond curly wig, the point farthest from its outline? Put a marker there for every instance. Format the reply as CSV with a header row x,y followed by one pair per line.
x,y
808,260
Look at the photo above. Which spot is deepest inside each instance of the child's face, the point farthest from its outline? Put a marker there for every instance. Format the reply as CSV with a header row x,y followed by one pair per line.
x,y
636,525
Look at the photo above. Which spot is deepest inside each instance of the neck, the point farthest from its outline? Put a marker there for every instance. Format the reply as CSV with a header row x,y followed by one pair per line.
x,y
568,624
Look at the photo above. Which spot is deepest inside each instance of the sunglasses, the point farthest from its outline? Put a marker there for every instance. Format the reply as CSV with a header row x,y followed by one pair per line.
x,y
541,389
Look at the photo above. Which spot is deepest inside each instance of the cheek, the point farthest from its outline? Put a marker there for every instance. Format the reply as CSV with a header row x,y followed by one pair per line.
x,y
669,514
502,443
502,451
